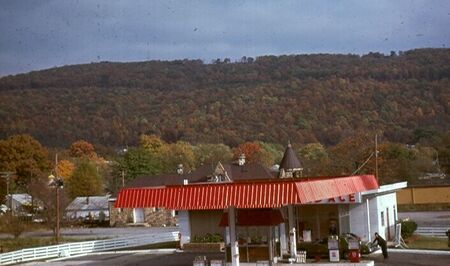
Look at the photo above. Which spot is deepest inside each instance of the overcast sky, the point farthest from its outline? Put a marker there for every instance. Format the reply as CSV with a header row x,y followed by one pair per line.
x,y
43,33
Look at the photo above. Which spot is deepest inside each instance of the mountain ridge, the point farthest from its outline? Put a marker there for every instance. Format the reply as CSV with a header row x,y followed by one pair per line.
x,y
306,98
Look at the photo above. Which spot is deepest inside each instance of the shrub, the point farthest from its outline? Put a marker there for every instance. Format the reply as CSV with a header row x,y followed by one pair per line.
x,y
208,238
408,228
11,224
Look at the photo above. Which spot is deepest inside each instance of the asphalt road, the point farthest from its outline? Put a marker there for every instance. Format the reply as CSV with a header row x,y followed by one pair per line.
x,y
397,258
431,219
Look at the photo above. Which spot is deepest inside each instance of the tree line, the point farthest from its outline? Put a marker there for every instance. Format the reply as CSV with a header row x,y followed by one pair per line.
x,y
85,172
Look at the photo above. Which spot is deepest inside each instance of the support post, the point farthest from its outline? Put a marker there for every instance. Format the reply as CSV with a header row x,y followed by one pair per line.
x,y
368,220
292,234
270,245
233,243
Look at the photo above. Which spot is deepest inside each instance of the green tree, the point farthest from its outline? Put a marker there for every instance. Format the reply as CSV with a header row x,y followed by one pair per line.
x,y
349,154
315,159
137,162
272,152
444,153
152,143
396,162
212,154
85,181
178,153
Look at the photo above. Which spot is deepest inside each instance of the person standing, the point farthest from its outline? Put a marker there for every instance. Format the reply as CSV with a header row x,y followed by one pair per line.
x,y
382,243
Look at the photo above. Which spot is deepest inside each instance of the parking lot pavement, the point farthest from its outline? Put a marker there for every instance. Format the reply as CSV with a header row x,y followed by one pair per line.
x,y
396,257
408,258
432,219
135,259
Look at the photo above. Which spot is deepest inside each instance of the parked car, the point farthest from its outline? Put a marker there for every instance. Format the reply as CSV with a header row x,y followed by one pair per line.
x,y
320,247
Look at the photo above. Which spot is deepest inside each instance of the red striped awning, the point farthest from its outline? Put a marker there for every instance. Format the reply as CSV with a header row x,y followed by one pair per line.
x,y
251,195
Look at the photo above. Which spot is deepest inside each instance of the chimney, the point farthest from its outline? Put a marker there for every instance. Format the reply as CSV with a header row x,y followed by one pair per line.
x,y
185,181
87,200
180,169
241,160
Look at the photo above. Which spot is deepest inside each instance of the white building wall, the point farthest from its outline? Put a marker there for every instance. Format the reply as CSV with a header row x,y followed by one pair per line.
x,y
382,213
358,220
387,214
185,226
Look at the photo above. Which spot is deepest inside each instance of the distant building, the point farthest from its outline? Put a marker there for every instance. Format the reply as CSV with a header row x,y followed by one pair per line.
x,y
23,205
426,190
85,208
239,170
290,165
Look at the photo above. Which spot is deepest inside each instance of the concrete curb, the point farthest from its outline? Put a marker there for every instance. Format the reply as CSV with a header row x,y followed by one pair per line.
x,y
420,251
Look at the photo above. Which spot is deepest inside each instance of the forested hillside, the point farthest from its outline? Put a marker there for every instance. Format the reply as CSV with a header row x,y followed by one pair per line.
x,y
305,98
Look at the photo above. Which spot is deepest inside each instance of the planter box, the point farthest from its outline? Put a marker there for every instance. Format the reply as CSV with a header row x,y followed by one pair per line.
x,y
213,247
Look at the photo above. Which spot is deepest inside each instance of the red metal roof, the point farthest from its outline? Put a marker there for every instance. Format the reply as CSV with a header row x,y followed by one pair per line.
x,y
251,195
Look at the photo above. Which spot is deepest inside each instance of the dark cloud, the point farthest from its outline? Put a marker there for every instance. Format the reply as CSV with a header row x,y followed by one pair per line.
x,y
42,34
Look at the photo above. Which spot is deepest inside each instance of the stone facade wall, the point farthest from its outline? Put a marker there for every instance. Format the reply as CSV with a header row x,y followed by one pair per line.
x,y
152,217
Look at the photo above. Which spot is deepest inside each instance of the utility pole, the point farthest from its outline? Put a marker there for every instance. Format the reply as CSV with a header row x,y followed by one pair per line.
x,y
57,183
57,199
7,176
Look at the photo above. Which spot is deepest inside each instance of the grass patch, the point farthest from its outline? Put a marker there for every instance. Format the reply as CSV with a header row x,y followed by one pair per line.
x,y
427,242
11,244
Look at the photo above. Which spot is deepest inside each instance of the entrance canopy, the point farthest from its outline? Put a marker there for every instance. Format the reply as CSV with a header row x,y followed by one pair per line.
x,y
243,195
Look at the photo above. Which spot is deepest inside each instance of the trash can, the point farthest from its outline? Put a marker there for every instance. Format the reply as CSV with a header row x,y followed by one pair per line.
x,y
354,254
333,248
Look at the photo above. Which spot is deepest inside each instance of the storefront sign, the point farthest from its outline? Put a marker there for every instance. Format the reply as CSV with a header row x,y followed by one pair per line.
x,y
348,199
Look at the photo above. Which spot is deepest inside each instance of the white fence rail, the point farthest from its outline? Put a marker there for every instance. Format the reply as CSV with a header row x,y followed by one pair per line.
x,y
432,231
71,249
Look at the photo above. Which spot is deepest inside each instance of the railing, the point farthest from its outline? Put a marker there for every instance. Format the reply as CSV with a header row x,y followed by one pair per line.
x,y
432,231
71,249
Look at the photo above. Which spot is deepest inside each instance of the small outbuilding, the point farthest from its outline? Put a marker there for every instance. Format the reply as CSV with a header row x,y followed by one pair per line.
x,y
91,208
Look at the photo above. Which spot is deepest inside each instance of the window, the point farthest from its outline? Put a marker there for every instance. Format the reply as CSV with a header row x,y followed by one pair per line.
x,y
382,218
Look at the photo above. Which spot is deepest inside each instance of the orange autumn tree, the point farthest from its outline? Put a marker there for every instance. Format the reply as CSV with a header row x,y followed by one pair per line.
x,y
251,151
65,169
82,148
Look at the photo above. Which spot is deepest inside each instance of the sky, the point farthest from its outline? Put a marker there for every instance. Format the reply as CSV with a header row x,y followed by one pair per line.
x,y
42,34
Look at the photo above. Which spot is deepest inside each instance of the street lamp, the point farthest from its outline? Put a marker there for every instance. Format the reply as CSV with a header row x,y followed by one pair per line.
x,y
57,183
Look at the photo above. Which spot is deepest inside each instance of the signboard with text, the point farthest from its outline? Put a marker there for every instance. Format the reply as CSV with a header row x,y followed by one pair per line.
x,y
348,199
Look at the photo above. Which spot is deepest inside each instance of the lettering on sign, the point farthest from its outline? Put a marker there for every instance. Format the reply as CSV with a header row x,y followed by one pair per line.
x,y
348,199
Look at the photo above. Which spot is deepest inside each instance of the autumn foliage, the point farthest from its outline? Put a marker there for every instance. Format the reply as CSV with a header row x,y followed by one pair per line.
x,y
320,98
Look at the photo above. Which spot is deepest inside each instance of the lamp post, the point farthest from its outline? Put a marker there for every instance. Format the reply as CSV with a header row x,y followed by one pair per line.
x,y
57,183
